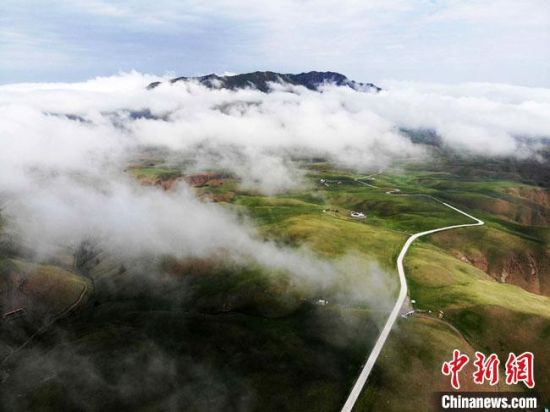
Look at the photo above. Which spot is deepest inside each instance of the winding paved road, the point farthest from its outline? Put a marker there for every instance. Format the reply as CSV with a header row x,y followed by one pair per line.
x,y
373,356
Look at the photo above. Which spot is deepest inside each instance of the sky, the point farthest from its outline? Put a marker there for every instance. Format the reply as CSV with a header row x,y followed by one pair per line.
x,y
444,41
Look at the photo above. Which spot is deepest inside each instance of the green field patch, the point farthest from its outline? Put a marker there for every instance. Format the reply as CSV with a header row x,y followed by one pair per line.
x,y
155,172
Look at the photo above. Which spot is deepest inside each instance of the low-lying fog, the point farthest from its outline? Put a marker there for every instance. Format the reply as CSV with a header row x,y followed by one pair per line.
x,y
65,148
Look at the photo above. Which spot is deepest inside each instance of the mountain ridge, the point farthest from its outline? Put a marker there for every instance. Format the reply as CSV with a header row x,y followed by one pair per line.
x,y
261,80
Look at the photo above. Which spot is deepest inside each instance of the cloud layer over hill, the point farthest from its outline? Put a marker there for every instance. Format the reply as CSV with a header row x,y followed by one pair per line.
x,y
66,146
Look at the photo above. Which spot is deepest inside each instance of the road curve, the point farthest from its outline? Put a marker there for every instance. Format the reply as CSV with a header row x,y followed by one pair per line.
x,y
373,356
45,327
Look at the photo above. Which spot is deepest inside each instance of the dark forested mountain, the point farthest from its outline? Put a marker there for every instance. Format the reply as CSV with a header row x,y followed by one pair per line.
x,y
262,80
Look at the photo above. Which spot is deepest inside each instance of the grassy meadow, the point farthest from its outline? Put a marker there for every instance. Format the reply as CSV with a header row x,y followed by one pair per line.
x,y
211,335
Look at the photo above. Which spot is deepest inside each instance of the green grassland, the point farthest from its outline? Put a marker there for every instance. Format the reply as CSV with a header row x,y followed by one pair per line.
x,y
226,336
407,374
44,290
478,314
208,335
473,302
154,172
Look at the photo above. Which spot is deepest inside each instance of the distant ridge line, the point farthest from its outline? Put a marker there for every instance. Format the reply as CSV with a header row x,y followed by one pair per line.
x,y
262,81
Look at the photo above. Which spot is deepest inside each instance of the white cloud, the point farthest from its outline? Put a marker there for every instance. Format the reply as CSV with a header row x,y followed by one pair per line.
x,y
62,179
483,118
532,13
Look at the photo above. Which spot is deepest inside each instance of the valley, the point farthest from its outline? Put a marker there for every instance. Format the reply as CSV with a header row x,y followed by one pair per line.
x,y
209,333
